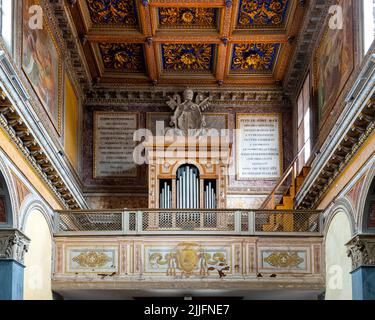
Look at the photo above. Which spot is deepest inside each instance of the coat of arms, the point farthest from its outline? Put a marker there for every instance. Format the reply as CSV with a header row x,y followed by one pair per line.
x,y
188,119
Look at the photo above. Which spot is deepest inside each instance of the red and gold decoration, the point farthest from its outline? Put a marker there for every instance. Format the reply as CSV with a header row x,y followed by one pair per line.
x,y
205,18
254,57
187,57
113,12
123,56
262,13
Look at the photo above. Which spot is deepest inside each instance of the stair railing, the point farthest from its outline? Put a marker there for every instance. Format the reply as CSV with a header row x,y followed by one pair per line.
x,y
292,170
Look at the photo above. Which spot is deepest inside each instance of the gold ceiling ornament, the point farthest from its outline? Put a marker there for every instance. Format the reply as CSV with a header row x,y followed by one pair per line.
x,y
123,56
92,259
113,12
284,259
188,17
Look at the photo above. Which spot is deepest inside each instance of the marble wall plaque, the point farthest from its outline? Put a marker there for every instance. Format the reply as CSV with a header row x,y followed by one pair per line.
x,y
114,144
258,146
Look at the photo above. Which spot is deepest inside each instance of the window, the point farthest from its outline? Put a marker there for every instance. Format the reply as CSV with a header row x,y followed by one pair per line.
x,y
304,124
6,7
368,24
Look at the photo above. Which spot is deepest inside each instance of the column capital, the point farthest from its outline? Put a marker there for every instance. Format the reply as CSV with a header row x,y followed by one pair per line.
x,y
361,249
13,245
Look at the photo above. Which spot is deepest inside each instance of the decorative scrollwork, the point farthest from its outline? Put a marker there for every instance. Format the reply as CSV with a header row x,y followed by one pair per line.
x,y
284,259
254,57
188,17
92,259
113,12
262,13
123,56
187,57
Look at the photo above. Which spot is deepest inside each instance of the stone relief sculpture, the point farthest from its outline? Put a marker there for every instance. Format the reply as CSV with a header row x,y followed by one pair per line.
x,y
188,119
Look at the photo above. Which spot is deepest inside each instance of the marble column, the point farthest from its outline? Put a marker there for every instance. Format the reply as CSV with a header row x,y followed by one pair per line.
x,y
13,245
362,251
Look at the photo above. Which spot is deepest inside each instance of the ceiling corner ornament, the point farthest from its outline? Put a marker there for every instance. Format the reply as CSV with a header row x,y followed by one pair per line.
x,y
110,12
127,57
262,13
205,18
362,251
92,259
254,57
284,259
187,57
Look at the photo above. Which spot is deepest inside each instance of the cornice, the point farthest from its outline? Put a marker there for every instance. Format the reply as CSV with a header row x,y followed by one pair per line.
x,y
24,139
355,125
309,35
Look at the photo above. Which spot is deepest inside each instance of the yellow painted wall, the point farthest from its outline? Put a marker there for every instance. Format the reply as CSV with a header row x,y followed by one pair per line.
x,y
7,145
37,281
338,265
71,123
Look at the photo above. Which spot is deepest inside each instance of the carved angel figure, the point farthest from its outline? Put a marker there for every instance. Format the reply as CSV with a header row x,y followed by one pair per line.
x,y
188,119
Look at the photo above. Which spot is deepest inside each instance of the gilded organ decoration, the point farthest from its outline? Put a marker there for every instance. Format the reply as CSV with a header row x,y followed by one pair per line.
x,y
262,13
113,12
187,259
284,259
187,57
205,18
92,259
128,57
254,58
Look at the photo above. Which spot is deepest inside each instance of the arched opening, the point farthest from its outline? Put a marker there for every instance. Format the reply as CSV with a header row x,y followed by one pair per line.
x,y
5,204
187,187
369,210
338,265
38,266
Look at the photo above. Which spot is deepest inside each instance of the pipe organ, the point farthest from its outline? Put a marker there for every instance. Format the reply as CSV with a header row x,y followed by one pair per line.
x,y
187,188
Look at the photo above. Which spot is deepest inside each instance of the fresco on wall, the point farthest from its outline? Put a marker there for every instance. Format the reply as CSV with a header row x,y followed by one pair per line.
x,y
41,63
334,62
371,220
3,214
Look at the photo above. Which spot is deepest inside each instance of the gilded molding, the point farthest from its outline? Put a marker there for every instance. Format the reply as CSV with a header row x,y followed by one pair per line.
x,y
13,245
361,249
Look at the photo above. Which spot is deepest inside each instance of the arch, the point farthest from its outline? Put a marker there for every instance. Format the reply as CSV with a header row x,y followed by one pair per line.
x,y
11,194
367,189
38,258
178,165
338,232
341,205
31,203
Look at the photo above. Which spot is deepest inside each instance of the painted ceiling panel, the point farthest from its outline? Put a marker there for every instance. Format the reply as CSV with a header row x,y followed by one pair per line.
x,y
261,13
202,18
254,58
128,57
188,57
111,12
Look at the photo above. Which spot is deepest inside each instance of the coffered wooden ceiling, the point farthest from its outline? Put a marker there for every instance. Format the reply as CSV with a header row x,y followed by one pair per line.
x,y
198,42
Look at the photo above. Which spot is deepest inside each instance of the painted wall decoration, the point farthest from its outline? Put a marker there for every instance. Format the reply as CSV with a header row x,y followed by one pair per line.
x,y
187,259
90,260
71,123
42,64
113,12
371,219
334,62
128,57
3,210
205,18
254,58
188,57
262,13
285,260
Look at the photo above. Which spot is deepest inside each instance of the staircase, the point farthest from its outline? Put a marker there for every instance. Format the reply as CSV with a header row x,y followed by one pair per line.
x,y
285,223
